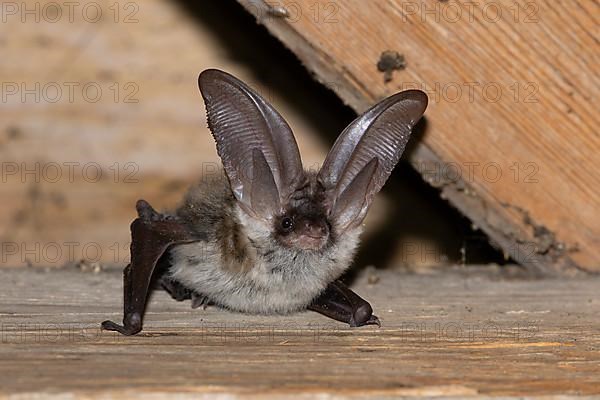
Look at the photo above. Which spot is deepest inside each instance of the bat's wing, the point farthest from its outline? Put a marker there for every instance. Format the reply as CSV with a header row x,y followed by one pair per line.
x,y
152,234
366,152
342,304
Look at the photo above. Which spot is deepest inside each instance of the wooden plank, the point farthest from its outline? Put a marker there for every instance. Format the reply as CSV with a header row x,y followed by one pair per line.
x,y
511,133
448,334
72,165
108,153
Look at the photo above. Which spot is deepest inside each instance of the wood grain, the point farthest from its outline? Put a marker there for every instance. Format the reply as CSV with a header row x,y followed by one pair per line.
x,y
448,334
511,137
72,165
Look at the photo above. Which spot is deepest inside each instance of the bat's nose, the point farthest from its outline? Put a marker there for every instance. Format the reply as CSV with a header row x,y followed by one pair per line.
x,y
316,229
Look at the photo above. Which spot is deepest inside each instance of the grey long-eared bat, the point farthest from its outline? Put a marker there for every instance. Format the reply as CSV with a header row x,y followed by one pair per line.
x,y
271,237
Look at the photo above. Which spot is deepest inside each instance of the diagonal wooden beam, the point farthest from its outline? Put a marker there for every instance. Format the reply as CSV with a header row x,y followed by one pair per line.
x,y
511,133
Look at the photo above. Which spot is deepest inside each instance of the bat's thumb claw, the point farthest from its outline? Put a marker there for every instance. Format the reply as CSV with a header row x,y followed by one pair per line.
x,y
132,324
145,211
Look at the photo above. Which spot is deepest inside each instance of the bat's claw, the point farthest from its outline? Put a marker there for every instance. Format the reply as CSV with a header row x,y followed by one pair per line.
x,y
363,315
112,326
373,320
131,325
199,301
146,212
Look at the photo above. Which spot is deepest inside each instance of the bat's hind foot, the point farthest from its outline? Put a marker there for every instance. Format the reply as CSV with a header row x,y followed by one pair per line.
x,y
342,304
132,324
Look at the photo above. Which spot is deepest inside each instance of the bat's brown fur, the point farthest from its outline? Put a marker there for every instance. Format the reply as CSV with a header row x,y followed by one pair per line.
x,y
246,264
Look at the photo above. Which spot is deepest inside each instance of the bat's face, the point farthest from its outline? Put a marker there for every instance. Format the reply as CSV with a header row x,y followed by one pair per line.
x,y
252,136
302,231
304,225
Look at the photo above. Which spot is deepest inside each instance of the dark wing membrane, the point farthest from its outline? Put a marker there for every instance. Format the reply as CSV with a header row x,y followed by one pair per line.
x,y
380,133
242,122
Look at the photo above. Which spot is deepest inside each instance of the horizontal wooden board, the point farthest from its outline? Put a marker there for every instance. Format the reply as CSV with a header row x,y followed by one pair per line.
x,y
442,335
511,133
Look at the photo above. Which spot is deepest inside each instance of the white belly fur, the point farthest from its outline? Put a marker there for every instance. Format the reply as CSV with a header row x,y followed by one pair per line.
x,y
283,282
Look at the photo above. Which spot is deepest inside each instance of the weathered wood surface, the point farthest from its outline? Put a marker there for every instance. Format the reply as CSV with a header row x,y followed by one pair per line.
x,y
511,136
442,335
73,165
74,161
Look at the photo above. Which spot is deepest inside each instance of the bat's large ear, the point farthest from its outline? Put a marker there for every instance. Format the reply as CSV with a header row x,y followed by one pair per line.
x,y
366,152
259,153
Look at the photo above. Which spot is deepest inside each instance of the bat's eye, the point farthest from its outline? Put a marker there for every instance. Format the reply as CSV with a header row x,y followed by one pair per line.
x,y
287,224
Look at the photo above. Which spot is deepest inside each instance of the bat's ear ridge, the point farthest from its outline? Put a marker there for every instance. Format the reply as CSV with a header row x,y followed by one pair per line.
x,y
213,76
420,99
256,145
205,75
380,134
